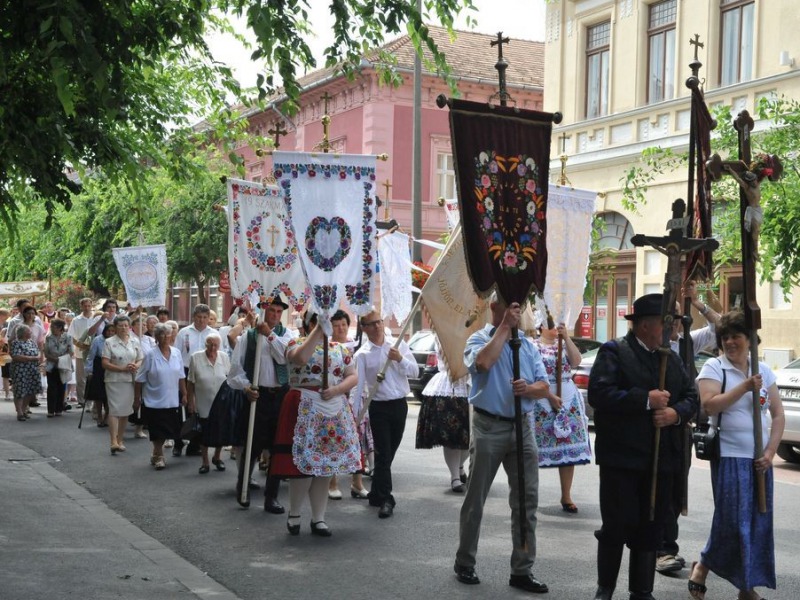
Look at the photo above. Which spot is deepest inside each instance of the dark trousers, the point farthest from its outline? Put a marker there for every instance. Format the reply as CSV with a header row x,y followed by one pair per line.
x,y
55,392
388,421
268,407
669,543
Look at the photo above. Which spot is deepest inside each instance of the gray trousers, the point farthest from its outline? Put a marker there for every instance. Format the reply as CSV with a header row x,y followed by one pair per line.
x,y
493,443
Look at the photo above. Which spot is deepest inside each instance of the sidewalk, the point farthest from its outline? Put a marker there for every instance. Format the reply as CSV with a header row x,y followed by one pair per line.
x,y
57,540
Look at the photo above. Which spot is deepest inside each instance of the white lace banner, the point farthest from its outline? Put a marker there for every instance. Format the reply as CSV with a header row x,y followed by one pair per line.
x,y
262,252
330,200
569,228
394,257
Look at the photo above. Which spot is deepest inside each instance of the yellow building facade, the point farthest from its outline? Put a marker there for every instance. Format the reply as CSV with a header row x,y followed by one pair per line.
x,y
616,69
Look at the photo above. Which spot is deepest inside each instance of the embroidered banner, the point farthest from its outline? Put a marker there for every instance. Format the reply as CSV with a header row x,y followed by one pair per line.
x,y
502,157
569,232
143,270
262,253
23,288
454,310
330,201
394,256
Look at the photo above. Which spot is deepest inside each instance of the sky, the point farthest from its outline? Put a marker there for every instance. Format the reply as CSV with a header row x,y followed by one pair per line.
x,y
521,19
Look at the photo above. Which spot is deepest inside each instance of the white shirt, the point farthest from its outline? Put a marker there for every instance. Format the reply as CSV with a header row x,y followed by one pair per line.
x,y
147,343
704,338
161,379
736,429
190,340
370,360
274,349
78,328
207,379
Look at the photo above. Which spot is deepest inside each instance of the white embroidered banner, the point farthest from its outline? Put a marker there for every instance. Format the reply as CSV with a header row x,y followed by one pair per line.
x,y
262,252
569,229
330,200
23,288
143,270
394,256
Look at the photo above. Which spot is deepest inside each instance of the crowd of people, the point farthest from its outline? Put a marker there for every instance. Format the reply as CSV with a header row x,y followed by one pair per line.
x,y
326,408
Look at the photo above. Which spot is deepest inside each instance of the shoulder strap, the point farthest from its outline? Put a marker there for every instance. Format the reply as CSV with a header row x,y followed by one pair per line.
x,y
722,391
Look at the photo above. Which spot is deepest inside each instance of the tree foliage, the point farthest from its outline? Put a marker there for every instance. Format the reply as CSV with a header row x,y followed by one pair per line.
x,y
780,135
116,85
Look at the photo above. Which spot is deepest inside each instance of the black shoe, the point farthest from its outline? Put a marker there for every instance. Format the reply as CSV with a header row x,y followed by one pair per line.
x,y
386,511
603,593
316,529
293,529
529,583
176,451
253,485
271,505
466,574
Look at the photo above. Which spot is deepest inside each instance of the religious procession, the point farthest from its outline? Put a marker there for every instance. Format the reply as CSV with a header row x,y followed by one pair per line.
x,y
306,388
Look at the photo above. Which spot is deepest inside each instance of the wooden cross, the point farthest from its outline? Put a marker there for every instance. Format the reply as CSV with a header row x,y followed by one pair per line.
x,y
272,231
501,65
697,44
277,131
674,245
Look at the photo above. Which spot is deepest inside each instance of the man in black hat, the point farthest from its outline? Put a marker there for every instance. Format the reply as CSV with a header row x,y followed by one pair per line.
x,y
267,392
628,407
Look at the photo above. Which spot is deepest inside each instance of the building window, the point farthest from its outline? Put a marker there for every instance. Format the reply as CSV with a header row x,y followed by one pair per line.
x,y
445,176
616,232
598,39
661,34
737,41
652,262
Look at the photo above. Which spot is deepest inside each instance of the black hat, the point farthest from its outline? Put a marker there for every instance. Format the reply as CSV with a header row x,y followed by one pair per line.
x,y
648,305
276,299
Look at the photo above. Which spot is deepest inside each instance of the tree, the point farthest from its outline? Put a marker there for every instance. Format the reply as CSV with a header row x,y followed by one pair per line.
x,y
780,200
116,85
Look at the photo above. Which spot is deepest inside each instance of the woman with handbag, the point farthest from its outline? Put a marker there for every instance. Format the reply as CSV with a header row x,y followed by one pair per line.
x,y
58,349
208,369
160,389
740,547
317,435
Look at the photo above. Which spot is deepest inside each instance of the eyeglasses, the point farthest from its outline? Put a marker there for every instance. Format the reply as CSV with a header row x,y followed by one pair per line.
x,y
372,323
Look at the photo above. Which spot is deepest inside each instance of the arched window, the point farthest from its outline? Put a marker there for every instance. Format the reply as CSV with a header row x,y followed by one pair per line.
x,y
616,232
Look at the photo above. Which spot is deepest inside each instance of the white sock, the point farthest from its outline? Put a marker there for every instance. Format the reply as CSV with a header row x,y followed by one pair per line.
x,y
318,494
298,490
453,460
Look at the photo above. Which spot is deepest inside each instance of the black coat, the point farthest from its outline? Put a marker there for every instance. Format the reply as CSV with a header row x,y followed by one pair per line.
x,y
622,375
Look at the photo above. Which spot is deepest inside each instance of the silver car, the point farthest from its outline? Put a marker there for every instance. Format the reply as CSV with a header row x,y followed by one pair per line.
x,y
788,381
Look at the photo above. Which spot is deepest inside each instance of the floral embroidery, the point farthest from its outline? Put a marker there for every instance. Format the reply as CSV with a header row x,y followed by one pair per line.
x,y
511,235
325,295
336,226
261,259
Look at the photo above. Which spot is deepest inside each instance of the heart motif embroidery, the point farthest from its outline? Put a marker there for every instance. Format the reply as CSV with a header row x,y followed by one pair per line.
x,y
328,242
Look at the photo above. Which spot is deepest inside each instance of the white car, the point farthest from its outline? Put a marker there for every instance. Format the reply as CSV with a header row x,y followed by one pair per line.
x,y
788,380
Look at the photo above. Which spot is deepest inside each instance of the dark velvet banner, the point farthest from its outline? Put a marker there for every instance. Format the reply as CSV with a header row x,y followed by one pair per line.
x,y
502,158
700,264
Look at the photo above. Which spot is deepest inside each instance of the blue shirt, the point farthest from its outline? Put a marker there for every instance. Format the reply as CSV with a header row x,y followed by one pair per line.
x,y
95,350
492,391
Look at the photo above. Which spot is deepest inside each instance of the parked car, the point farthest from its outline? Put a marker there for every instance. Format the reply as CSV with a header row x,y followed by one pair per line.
x,y
788,381
581,375
422,345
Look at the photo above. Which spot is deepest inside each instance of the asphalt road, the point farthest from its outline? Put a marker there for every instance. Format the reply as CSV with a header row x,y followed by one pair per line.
x,y
410,555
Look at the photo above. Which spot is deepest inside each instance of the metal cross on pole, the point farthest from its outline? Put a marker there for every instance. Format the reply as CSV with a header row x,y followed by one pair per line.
x,y
748,174
674,245
277,131
501,65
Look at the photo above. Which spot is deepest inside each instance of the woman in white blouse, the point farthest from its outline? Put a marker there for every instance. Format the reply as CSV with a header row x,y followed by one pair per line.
x,y
160,390
207,371
122,356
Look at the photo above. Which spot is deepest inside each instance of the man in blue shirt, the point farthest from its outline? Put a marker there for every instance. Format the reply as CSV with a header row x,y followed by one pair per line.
x,y
489,359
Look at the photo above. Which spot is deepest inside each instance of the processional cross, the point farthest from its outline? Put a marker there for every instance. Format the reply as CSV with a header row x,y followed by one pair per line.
x,y
277,131
501,65
748,174
674,245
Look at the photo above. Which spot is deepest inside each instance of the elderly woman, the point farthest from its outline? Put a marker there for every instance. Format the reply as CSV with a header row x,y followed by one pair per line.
x,y
96,376
25,370
740,547
57,344
208,369
317,424
160,389
122,356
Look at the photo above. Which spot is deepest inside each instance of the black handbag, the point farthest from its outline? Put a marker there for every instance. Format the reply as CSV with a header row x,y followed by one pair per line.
x,y
192,428
705,436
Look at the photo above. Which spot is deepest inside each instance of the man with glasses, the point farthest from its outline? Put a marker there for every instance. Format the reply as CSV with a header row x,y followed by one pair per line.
x,y
388,408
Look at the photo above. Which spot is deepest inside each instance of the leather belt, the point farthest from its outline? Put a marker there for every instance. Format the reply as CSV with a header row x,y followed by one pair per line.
x,y
486,413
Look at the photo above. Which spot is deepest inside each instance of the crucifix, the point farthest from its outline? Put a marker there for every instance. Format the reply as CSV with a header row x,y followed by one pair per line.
x,y
749,174
501,65
277,131
273,231
674,245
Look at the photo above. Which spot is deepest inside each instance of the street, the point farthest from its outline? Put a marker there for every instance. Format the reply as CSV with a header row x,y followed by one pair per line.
x,y
250,553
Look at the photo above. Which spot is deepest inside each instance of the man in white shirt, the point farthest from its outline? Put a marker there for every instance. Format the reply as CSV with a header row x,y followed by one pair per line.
x,y
82,329
271,387
388,408
192,339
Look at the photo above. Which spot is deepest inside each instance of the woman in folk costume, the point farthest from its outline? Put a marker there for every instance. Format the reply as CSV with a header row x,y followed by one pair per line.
x,y
559,422
317,434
